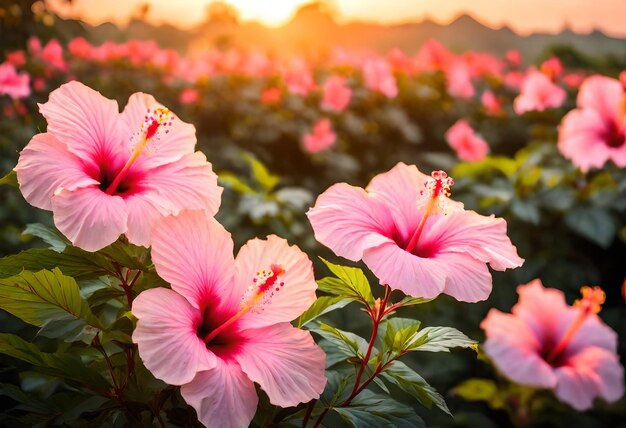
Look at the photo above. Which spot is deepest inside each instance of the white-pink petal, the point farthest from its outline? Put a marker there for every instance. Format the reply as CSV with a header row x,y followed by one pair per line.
x,y
88,217
281,303
45,165
166,335
223,396
194,253
286,362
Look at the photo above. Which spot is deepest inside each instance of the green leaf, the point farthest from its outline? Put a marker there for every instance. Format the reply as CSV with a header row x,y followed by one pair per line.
x,y
526,211
593,223
370,410
228,179
65,366
350,282
408,380
412,301
73,262
399,333
49,235
50,300
480,390
505,165
10,179
322,306
439,339
336,390
349,344
126,254
261,174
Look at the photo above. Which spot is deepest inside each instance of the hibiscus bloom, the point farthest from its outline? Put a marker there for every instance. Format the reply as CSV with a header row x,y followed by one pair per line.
x,y
322,138
379,77
459,80
491,103
13,84
412,236
545,343
538,94
466,143
336,94
227,321
104,174
595,132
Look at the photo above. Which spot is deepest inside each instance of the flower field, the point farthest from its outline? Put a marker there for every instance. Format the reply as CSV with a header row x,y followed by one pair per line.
x,y
233,238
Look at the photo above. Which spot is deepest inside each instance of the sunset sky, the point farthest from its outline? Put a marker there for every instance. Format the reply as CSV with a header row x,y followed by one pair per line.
x,y
524,16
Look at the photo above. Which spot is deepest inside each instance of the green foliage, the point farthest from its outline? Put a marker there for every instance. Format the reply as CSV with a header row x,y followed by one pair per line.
x,y
370,410
349,282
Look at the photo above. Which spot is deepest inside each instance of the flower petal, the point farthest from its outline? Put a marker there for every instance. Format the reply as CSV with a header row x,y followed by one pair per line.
x,y
46,165
167,338
514,349
602,94
541,309
348,221
582,136
222,396
88,217
482,237
592,373
194,253
401,270
280,303
285,361
165,147
85,121
467,279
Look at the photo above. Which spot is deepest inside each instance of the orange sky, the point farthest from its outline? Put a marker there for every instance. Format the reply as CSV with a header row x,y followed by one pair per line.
x,y
524,16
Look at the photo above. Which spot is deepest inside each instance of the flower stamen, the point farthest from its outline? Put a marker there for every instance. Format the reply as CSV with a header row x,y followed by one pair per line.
x,y
264,285
591,303
440,185
149,128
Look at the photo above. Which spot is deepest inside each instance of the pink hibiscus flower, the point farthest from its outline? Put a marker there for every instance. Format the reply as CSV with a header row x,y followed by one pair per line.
x,y
412,236
13,84
227,320
104,174
459,80
379,77
322,138
595,132
545,343
336,94
491,103
466,143
538,94
270,96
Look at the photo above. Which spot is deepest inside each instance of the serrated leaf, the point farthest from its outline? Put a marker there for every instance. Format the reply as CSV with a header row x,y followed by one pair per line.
x,y
370,410
65,366
412,301
321,306
439,339
10,179
336,387
350,344
72,262
350,282
50,300
49,235
409,381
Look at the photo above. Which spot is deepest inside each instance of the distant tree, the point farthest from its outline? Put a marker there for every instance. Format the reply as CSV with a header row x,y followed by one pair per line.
x,y
222,13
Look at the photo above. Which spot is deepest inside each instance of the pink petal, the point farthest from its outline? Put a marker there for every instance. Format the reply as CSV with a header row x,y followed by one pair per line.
x,y
401,270
85,121
399,190
166,335
222,396
282,303
286,362
348,221
602,94
88,217
194,253
188,183
582,139
467,279
514,349
46,165
540,308
593,332
482,237
171,142
592,373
